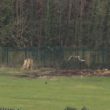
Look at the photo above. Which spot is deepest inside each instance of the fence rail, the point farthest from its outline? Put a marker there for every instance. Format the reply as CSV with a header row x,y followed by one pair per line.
x,y
56,57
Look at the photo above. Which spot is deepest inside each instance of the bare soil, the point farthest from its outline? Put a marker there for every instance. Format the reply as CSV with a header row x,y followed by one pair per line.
x,y
58,72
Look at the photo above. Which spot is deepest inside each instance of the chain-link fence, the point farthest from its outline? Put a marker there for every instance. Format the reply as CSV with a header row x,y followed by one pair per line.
x,y
56,57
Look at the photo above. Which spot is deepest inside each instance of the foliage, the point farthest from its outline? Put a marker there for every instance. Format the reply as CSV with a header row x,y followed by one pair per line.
x,y
70,108
73,23
84,108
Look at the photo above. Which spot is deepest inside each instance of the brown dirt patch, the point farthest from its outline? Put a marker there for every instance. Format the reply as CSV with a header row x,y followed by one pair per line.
x,y
49,74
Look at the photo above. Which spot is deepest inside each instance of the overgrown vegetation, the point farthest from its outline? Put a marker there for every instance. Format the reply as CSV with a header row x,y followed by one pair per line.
x,y
72,108
75,23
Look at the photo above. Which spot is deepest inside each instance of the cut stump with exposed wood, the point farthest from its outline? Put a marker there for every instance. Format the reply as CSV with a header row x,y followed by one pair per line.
x,y
28,64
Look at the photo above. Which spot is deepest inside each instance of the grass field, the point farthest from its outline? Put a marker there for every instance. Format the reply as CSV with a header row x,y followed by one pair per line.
x,y
59,92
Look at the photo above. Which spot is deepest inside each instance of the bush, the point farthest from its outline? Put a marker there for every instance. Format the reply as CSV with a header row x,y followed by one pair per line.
x,y
84,108
70,108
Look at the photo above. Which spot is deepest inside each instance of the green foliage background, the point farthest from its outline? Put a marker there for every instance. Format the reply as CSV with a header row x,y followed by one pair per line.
x,y
72,23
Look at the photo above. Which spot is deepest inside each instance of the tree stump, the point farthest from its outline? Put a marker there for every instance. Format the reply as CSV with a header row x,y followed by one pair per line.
x,y
28,64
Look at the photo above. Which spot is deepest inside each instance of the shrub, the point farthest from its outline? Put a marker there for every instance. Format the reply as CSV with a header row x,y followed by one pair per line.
x,y
70,108
84,108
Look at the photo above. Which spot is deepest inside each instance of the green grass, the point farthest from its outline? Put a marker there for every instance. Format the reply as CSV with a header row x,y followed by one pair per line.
x,y
34,94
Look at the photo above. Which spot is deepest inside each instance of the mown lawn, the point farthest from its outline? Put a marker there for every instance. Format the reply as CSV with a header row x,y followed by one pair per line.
x,y
35,94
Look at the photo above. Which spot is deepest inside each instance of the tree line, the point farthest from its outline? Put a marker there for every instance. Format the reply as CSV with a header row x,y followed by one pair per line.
x,y
67,23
